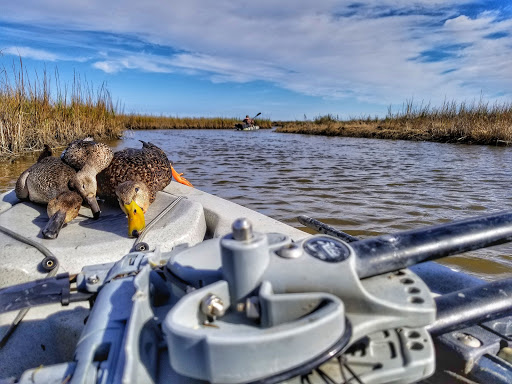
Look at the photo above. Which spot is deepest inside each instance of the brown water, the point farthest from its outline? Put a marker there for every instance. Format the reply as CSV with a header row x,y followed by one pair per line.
x,y
361,186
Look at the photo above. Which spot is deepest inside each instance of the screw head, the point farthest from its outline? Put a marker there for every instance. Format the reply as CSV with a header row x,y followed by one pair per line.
x,y
290,251
212,306
506,354
93,279
469,340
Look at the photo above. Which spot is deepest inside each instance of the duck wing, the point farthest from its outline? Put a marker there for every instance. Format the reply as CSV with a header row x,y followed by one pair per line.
x,y
44,180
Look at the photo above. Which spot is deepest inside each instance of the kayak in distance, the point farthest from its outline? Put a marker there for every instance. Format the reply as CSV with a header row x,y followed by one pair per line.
x,y
244,127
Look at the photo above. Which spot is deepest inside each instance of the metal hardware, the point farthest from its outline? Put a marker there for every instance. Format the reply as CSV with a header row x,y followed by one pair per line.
x,y
242,230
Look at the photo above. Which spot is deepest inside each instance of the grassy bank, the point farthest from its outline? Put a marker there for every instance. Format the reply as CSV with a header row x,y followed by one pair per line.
x,y
163,122
37,110
471,123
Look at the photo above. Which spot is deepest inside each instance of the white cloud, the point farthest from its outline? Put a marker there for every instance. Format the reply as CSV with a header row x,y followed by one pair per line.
x,y
465,23
371,51
107,66
37,54
143,62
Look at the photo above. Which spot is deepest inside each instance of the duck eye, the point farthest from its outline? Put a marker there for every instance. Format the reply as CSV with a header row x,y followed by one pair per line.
x,y
83,186
134,211
136,189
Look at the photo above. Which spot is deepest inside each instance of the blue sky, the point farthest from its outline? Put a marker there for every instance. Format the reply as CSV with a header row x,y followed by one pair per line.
x,y
287,59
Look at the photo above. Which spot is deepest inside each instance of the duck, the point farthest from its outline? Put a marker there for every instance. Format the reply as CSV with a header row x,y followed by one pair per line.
x,y
133,178
50,181
88,158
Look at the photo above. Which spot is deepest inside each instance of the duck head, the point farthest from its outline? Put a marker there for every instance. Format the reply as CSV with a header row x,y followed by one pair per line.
x,y
61,210
85,184
86,153
133,197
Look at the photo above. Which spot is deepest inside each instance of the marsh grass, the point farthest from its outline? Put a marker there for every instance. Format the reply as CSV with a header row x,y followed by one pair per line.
x,y
32,113
163,122
473,123
39,109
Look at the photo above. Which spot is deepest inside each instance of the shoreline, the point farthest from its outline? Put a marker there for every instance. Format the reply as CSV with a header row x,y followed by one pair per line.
x,y
491,135
338,129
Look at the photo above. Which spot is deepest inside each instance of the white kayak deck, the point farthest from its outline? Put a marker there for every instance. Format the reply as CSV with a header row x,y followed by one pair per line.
x,y
48,334
86,241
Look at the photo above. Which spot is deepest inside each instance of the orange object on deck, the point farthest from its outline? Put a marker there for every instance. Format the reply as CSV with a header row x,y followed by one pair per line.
x,y
179,179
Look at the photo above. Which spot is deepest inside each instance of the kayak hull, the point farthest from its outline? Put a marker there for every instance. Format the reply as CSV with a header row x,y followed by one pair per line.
x,y
242,127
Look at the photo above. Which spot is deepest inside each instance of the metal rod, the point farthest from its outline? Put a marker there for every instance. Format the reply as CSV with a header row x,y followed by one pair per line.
x,y
388,253
325,229
471,306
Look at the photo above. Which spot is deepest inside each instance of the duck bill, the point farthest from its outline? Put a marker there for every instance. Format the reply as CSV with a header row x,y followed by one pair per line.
x,y
136,221
52,228
93,204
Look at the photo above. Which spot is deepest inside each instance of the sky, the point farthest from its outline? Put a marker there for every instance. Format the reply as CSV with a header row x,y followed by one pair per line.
x,y
288,59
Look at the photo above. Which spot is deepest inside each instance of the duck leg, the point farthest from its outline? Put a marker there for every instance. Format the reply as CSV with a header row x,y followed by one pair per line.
x,y
179,179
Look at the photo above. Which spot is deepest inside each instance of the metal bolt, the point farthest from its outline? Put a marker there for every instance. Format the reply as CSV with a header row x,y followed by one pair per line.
x,y
290,251
506,354
242,229
212,306
251,307
93,279
468,340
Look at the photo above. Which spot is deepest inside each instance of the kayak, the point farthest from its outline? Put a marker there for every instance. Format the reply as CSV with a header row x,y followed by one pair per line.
x,y
243,127
214,292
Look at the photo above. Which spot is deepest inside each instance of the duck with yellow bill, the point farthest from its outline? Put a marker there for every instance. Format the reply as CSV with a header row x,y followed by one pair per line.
x,y
133,178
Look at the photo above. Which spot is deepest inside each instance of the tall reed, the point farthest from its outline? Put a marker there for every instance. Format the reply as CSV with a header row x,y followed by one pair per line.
x,y
478,122
32,113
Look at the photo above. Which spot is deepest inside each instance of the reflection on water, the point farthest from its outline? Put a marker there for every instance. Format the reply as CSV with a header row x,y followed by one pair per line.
x,y
361,186
10,170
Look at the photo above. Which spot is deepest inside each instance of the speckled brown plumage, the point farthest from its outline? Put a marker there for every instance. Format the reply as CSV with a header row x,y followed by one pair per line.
x,y
87,153
45,180
51,176
148,164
